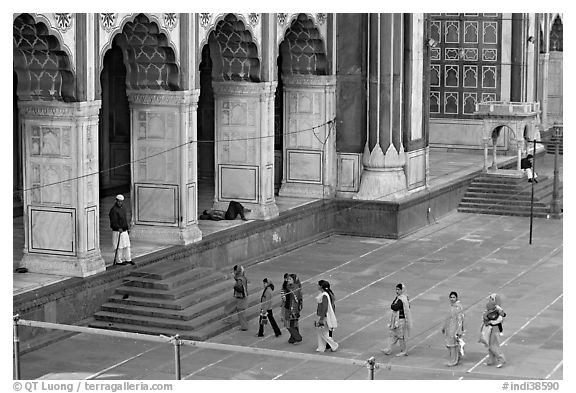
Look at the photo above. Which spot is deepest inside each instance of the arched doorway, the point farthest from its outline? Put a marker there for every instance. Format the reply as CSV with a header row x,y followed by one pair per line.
x,y
205,134
114,126
308,105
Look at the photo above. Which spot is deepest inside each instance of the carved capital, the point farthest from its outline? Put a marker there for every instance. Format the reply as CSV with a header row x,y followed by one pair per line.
x,y
312,81
167,98
244,88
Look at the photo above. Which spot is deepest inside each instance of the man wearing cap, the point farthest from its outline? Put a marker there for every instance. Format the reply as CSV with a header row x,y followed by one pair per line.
x,y
120,237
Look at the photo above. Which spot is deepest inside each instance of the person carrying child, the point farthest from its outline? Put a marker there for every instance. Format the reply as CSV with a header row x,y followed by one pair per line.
x,y
491,330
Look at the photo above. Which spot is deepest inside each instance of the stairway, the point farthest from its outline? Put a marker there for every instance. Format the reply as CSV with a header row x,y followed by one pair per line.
x,y
173,298
507,196
555,138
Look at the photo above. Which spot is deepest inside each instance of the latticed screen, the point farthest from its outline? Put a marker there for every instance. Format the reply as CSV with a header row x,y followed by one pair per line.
x,y
465,63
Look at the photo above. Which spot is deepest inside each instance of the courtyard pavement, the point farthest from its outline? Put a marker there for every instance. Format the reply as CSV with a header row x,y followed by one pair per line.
x,y
474,255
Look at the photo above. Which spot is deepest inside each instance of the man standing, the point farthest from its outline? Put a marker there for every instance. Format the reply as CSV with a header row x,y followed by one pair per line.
x,y
120,237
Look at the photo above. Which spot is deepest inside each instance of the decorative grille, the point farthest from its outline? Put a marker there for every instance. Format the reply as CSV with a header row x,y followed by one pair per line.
x,y
465,64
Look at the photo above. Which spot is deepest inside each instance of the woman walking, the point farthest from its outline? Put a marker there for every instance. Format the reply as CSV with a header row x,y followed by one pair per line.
x,y
292,305
400,321
492,319
453,330
326,317
266,309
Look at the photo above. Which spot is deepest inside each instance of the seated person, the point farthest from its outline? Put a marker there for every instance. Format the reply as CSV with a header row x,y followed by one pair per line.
x,y
235,209
526,166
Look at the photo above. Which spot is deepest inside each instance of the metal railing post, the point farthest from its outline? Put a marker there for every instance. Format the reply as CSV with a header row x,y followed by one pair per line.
x,y
16,348
177,343
371,363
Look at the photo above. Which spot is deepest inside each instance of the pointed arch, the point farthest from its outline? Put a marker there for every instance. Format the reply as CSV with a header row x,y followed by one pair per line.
x,y
303,50
233,51
149,57
556,35
43,68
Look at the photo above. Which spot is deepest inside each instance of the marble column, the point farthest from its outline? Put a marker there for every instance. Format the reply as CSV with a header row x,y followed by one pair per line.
x,y
384,158
309,142
61,206
164,173
244,151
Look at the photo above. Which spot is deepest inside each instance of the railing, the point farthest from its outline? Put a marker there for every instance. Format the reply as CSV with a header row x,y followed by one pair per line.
x,y
177,343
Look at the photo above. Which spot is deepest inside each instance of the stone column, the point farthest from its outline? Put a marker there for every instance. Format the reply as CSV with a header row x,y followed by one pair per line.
x,y
309,142
164,177
384,157
485,144
244,134
61,206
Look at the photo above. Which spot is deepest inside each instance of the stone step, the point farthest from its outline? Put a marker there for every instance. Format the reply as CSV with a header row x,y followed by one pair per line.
x,y
212,315
520,196
500,202
164,270
175,304
500,186
472,205
172,294
502,212
170,282
195,310
496,180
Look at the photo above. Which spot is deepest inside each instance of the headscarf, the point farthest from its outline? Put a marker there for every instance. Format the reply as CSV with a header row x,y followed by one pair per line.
x,y
493,301
405,304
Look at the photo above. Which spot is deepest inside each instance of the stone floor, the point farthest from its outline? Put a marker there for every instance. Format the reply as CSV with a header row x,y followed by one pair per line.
x,y
445,167
474,255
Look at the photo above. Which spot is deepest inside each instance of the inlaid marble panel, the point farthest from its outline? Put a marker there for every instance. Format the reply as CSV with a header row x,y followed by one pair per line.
x,y
52,231
238,183
191,201
416,168
304,166
91,228
156,204
348,172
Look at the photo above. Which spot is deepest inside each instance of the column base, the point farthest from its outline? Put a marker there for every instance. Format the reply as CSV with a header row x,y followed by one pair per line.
x,y
382,184
64,265
303,190
166,235
263,212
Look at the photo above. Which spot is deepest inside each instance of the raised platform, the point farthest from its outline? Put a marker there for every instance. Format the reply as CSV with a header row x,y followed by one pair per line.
x,y
75,300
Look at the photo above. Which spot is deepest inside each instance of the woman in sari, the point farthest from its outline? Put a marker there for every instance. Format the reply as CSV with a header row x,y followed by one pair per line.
x,y
326,317
400,321
453,330
292,305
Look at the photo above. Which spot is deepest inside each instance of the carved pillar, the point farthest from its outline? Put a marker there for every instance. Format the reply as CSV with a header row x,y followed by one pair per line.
x,y
384,157
244,134
485,144
61,226
164,174
495,136
309,143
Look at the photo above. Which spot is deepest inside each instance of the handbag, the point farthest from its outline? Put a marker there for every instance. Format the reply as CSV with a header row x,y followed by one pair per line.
x,y
263,317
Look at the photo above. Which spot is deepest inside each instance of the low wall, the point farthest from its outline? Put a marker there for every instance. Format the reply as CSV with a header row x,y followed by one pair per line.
x,y
75,300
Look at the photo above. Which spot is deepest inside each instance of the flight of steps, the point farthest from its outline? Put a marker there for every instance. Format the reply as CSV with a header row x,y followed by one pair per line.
x,y
171,298
508,196
556,138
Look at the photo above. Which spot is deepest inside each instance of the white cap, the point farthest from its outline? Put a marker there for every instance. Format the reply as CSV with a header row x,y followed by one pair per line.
x,y
120,197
